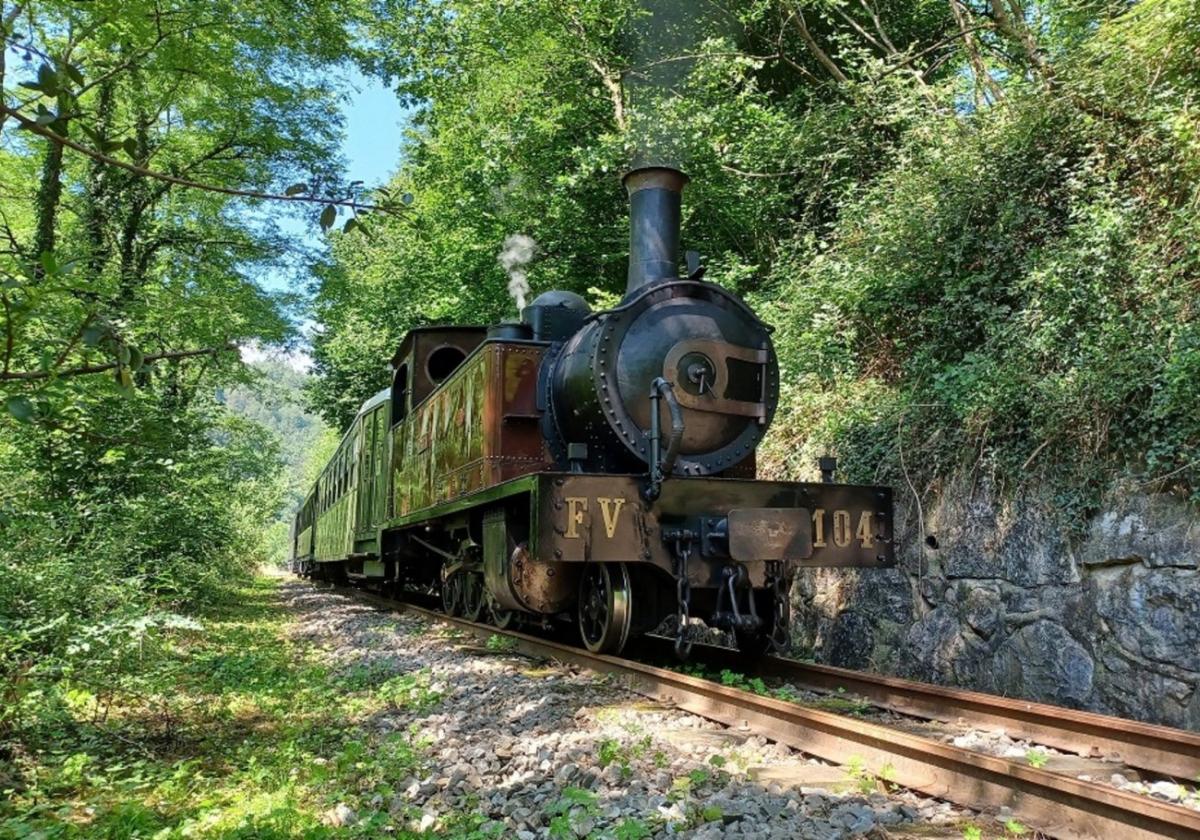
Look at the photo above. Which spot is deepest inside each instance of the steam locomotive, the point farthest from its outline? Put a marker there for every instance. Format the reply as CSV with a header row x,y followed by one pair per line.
x,y
596,468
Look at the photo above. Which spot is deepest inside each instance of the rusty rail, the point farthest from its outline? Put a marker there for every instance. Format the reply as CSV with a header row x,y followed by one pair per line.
x,y
1058,805
1157,749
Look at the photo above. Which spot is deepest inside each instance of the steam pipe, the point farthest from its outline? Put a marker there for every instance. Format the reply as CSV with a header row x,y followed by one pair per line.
x,y
655,208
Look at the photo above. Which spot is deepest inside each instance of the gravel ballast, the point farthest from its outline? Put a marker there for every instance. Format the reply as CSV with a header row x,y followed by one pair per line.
x,y
547,750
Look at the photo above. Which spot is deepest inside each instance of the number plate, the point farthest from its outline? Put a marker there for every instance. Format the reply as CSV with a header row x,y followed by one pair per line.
x,y
770,534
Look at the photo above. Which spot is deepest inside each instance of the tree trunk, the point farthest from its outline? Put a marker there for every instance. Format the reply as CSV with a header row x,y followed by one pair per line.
x,y
48,197
97,191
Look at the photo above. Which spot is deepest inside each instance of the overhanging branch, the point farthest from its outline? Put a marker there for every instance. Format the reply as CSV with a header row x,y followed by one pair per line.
x,y
83,370
66,142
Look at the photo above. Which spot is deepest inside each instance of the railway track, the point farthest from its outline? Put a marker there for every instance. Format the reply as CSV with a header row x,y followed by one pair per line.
x,y
1160,750
1058,805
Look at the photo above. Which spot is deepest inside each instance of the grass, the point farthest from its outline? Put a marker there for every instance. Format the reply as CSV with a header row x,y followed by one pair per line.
x,y
237,732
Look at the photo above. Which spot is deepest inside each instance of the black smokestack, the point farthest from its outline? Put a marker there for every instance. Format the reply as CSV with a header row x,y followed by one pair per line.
x,y
655,200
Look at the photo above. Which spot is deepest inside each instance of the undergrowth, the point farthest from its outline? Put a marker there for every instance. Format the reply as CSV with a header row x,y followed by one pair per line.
x,y
233,731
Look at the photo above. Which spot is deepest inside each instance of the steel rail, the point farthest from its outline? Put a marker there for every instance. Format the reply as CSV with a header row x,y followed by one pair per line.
x,y
1058,805
1158,749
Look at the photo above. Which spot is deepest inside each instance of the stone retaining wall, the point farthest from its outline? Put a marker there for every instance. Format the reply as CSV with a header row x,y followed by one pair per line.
x,y
1008,603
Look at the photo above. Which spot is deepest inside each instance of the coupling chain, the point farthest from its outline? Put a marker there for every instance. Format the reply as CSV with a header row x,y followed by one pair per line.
x,y
779,606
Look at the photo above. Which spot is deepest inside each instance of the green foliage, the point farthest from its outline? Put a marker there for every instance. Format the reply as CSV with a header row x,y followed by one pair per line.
x,y
573,805
972,832
864,780
966,270
612,751
1036,757
632,829
231,730
501,644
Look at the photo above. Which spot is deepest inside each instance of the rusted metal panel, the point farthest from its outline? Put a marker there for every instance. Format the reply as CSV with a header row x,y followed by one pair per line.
x,y
478,429
417,350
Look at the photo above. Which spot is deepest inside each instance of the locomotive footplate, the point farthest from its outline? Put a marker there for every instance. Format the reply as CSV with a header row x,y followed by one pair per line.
x,y
583,518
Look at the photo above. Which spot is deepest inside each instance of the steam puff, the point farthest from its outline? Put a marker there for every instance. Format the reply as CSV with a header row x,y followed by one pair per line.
x,y
518,250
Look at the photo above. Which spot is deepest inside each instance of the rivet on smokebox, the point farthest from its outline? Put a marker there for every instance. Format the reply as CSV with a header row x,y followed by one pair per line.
x,y
558,552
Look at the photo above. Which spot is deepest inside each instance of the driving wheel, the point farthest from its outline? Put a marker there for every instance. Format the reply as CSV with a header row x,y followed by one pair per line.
x,y
501,617
473,600
452,594
605,607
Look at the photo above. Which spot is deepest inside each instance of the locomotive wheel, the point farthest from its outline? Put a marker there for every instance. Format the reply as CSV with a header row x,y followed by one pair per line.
x,y
501,617
473,596
452,594
605,607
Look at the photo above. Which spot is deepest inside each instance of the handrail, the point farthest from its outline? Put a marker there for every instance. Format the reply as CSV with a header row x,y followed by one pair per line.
x,y
661,466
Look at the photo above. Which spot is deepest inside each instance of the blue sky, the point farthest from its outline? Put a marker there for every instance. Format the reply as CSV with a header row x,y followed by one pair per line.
x,y
374,128
374,124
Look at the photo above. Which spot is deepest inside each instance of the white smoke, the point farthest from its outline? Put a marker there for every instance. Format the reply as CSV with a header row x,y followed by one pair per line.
x,y
514,257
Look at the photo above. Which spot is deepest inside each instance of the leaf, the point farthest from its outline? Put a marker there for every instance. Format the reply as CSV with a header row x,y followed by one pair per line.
x,y
406,199
350,225
20,407
296,189
130,146
136,359
47,80
328,216
73,72
45,117
92,334
48,262
123,355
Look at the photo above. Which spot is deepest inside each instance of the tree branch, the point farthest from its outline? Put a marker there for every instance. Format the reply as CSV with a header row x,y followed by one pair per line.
x,y
819,54
83,370
616,95
43,131
8,333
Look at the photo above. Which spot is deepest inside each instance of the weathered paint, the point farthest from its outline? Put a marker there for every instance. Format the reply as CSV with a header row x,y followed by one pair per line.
x,y
603,518
373,459
351,496
479,429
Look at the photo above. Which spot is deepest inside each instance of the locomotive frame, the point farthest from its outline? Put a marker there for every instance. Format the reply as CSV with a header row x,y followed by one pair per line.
x,y
597,468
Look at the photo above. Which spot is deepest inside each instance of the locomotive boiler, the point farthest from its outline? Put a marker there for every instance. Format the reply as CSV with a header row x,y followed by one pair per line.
x,y
596,468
